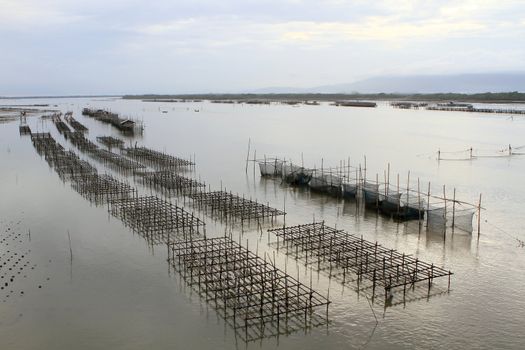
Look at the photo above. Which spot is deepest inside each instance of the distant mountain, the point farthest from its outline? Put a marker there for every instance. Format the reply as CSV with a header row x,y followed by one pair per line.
x,y
424,84
279,90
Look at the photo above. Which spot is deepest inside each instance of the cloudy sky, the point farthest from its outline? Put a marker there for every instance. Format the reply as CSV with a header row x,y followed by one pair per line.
x,y
179,46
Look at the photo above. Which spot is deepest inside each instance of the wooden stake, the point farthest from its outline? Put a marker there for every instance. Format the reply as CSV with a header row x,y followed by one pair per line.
x,y
248,154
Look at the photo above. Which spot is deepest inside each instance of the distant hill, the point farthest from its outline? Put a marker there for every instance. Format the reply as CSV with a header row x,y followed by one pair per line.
x,y
422,84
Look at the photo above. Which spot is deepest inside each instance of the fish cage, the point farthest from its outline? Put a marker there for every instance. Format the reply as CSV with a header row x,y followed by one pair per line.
x,y
450,216
371,194
403,206
250,293
350,189
352,259
296,175
479,153
325,181
270,166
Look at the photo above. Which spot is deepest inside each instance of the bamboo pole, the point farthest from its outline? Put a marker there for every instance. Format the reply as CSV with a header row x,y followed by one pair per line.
x,y
248,155
454,210
479,216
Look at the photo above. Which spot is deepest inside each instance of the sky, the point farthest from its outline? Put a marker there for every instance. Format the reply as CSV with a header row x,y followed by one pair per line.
x,y
68,47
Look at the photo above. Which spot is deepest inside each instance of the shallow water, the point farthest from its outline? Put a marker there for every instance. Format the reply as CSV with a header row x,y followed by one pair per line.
x,y
112,290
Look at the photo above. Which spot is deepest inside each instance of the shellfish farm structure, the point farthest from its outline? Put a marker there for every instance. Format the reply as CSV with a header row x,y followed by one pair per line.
x,y
255,297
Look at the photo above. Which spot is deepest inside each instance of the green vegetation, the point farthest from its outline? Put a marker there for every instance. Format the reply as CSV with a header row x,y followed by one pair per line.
x,y
482,97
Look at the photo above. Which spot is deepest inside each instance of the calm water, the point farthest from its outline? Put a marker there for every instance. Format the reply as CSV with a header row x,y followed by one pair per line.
x,y
116,292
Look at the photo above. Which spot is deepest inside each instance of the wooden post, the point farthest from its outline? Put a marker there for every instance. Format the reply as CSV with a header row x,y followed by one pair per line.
x,y
419,203
454,210
479,215
398,198
445,213
377,192
254,158
408,189
428,199
388,175
365,171
248,155
386,184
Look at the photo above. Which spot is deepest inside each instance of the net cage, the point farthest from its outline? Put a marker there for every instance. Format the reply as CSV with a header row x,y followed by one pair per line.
x,y
370,192
403,206
350,188
326,181
297,175
271,166
439,218
475,153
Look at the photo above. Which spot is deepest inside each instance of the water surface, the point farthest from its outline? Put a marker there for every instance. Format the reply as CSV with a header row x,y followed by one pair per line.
x,y
115,291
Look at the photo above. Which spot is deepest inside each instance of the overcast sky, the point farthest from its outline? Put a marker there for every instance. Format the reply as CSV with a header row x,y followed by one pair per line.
x,y
179,46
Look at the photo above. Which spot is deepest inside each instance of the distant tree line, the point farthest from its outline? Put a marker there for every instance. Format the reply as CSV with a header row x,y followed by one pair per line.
x,y
479,97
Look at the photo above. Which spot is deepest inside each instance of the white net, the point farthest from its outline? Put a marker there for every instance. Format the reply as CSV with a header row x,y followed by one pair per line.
x,y
463,219
271,167
436,219
320,180
460,218
289,169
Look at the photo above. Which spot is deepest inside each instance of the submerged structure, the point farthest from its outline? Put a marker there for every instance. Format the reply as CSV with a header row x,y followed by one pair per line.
x,y
110,141
170,182
341,254
157,220
75,124
229,207
157,159
251,294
